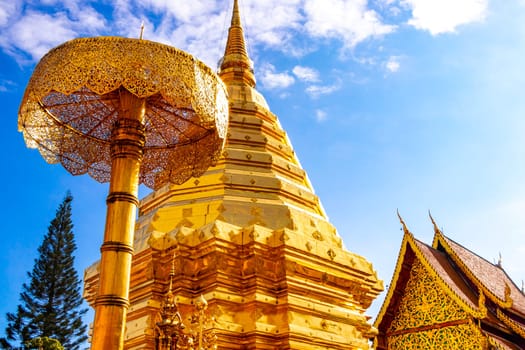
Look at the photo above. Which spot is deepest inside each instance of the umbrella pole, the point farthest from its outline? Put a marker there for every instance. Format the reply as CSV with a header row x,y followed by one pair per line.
x,y
112,302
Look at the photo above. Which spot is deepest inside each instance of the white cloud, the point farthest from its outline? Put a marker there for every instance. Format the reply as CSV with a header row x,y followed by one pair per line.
x,y
8,8
195,26
390,7
36,33
32,29
185,11
273,80
442,16
349,21
189,37
393,64
320,115
272,22
317,90
292,27
386,2
306,74
89,20
394,11
6,85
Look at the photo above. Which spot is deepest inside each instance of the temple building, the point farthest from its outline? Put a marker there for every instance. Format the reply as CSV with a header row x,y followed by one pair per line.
x,y
250,241
445,296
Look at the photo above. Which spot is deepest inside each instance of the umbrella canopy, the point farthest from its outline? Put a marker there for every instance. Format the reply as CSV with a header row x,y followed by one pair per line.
x,y
71,104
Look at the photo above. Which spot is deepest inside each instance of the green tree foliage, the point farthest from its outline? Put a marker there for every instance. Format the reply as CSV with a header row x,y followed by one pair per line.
x,y
44,343
51,304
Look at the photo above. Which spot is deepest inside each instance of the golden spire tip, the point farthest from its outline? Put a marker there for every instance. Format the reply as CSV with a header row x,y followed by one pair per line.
x,y
141,30
235,65
236,17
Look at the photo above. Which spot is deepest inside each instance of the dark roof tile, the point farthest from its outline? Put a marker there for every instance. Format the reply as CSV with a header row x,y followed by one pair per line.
x,y
443,267
493,277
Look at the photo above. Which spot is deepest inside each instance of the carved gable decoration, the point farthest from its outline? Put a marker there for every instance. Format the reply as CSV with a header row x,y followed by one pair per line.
x,y
462,336
438,299
424,303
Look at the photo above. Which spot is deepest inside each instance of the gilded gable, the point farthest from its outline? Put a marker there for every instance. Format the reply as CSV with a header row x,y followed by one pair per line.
x,y
446,297
424,303
428,318
461,336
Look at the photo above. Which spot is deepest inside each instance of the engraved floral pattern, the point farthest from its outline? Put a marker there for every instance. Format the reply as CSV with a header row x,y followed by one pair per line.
x,y
71,104
423,314
424,303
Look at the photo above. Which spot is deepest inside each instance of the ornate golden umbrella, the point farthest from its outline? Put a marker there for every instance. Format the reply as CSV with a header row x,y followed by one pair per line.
x,y
127,111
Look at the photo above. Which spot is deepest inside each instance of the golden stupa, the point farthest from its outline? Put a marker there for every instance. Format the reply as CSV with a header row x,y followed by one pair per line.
x,y
251,238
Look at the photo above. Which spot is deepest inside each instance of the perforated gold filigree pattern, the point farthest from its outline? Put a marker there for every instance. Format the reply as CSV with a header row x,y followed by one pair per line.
x,y
424,303
464,336
71,104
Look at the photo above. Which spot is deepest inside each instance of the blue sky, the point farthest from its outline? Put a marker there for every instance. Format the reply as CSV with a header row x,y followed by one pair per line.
x,y
413,105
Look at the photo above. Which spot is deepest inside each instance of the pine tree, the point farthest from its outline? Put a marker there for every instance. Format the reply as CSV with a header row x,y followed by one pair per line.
x,y
51,304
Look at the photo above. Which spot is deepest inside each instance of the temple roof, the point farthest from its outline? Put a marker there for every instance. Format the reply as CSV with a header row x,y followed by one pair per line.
x,y
439,266
491,278
501,344
482,289
444,270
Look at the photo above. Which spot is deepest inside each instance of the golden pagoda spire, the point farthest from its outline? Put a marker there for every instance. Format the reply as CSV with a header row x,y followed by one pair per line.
x,y
236,66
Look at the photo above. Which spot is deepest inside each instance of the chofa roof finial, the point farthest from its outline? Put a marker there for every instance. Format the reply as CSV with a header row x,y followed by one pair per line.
x,y
405,228
436,228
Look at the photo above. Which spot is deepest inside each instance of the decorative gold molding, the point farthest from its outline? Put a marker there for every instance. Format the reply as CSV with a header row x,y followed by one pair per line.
x,y
510,323
461,336
439,239
409,241
71,106
480,313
